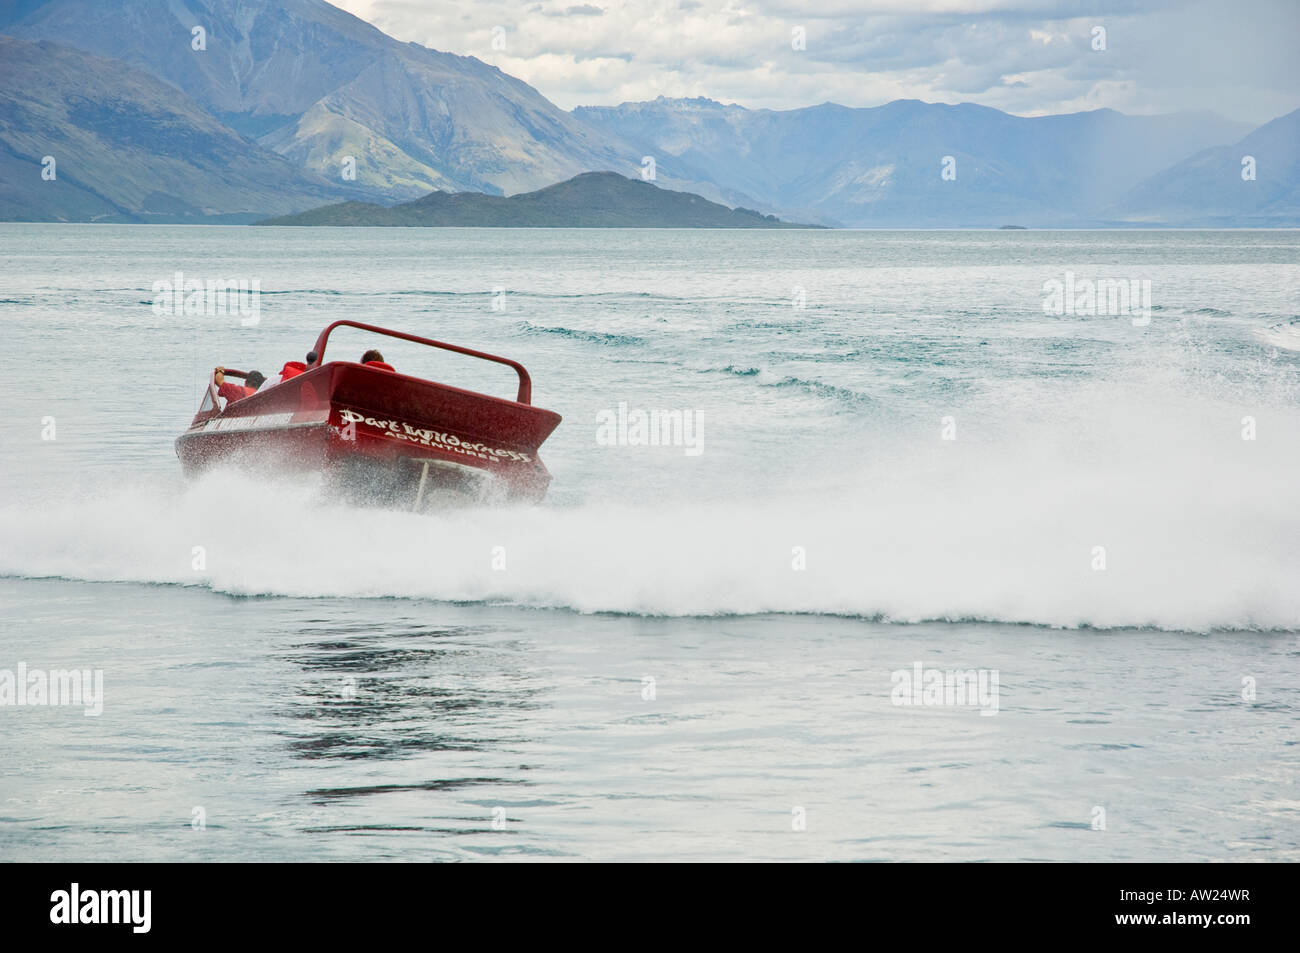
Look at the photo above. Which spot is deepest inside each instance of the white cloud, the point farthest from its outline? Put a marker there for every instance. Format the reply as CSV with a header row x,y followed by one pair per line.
x,y
1025,56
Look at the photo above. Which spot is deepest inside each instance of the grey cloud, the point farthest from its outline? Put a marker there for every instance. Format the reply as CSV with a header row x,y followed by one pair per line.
x,y
1160,54
583,10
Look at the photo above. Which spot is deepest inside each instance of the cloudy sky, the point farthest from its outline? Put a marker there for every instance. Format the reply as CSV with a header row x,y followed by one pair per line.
x,y
1240,58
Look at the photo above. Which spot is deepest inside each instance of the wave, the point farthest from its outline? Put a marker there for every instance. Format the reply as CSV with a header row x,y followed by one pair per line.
x,y
906,560
608,295
482,293
1170,522
767,378
1285,336
1156,495
575,334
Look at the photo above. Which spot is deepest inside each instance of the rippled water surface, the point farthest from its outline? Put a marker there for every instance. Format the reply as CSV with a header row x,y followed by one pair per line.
x,y
649,676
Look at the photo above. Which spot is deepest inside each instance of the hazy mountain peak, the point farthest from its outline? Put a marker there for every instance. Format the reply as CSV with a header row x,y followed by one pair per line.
x,y
1255,181
884,164
330,92
126,146
358,111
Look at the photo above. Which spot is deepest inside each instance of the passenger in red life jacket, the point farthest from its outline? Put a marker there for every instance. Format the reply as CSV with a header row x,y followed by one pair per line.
x,y
290,370
233,392
373,358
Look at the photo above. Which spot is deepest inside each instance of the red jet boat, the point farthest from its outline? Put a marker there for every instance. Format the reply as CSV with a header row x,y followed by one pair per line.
x,y
385,436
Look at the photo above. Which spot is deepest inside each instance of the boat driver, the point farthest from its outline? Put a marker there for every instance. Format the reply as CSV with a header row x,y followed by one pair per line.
x,y
233,392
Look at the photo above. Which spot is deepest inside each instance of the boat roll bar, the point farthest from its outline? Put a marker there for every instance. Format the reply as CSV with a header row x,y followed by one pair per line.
x,y
525,382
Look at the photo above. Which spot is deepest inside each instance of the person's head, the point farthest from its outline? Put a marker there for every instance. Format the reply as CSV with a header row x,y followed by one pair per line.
x,y
372,355
255,379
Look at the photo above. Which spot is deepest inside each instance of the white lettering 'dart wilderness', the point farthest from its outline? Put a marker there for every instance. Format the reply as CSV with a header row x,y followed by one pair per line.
x,y
103,907
433,438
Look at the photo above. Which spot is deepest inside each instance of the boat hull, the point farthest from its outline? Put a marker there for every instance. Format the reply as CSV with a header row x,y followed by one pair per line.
x,y
380,435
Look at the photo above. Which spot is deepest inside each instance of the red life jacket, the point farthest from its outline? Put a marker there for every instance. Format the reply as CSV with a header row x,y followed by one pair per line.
x,y
292,369
381,365
233,392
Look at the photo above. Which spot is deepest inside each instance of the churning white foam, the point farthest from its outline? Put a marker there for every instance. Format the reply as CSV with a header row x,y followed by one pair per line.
x,y
1196,527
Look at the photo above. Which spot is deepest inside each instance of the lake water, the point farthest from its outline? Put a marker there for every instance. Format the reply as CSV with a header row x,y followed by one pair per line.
x,y
902,458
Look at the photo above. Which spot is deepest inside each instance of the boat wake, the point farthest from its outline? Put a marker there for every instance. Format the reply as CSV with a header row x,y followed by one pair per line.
x,y
1183,533
1285,336
1161,495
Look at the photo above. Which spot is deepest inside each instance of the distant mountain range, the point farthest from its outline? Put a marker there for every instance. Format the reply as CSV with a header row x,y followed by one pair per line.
x,y
322,87
886,165
126,147
1211,188
289,98
589,200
